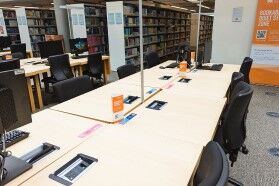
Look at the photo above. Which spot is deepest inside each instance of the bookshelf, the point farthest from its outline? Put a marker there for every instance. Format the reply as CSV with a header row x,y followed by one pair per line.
x,y
163,30
40,22
11,25
35,24
206,27
96,28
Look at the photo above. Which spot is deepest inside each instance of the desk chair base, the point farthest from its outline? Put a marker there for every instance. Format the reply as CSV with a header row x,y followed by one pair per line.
x,y
235,182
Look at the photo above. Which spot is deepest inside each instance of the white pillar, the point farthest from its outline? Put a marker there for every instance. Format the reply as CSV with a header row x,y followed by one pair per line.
x,y
61,17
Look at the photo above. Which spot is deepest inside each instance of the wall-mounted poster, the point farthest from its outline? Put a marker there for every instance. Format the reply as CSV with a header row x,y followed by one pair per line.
x,y
265,44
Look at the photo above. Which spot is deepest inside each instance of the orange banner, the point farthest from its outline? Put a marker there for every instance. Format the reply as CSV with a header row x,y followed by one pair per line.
x,y
266,30
265,47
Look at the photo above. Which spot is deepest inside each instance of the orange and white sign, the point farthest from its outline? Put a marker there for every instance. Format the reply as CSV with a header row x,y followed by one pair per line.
x,y
117,107
183,68
265,46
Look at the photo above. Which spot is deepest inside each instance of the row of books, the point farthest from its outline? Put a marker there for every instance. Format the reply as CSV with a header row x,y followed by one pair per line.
x,y
95,40
37,38
132,41
40,13
48,30
95,21
149,12
11,23
13,30
127,10
131,52
131,32
131,21
94,11
9,14
96,31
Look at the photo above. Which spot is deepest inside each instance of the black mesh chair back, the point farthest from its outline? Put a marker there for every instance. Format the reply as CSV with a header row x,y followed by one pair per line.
x,y
70,88
152,59
95,65
60,67
236,78
245,68
126,70
213,167
234,129
9,64
15,48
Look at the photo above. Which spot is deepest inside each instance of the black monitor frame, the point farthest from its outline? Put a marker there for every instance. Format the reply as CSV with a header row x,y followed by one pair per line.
x,y
16,100
5,42
74,49
50,48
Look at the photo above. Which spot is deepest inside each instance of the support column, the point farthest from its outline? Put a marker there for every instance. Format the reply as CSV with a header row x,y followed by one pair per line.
x,y
62,22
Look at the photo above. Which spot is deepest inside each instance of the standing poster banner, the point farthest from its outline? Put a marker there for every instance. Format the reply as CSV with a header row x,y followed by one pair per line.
x,y
3,30
265,46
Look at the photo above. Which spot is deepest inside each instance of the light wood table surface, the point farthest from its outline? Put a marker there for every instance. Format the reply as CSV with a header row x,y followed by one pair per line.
x,y
148,159
151,78
97,104
33,72
28,52
56,128
189,118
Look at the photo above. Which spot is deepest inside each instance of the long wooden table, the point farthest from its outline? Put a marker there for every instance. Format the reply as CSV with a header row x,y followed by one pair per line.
x,y
62,130
33,72
155,147
130,158
97,104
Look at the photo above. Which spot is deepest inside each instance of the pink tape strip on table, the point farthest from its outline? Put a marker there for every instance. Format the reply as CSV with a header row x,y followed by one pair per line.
x,y
89,131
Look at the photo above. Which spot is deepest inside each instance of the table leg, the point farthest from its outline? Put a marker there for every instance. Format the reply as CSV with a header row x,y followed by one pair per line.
x,y
31,96
106,70
38,91
80,70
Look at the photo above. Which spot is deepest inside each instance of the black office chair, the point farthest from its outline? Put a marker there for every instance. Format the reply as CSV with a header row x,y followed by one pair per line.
x,y
231,134
236,78
126,70
213,168
245,68
152,59
16,48
95,67
9,64
70,88
60,70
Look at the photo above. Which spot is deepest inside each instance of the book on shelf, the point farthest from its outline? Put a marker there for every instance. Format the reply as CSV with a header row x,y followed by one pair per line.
x,y
131,21
33,13
130,10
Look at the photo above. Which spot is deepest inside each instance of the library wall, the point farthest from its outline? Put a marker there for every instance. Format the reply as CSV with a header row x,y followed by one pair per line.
x,y
232,40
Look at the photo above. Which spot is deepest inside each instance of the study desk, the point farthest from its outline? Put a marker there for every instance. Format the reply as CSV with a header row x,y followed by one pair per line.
x,y
189,118
62,130
33,72
28,52
148,159
152,78
97,104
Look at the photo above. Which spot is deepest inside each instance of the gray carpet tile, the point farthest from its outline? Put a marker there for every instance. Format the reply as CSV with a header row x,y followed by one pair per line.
x,y
259,167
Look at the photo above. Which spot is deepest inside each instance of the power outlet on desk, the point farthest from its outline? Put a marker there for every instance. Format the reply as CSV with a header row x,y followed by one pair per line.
x,y
39,153
184,80
156,105
165,77
73,169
